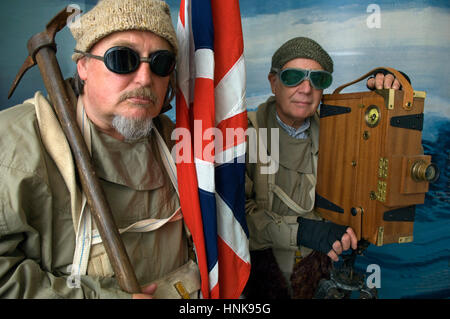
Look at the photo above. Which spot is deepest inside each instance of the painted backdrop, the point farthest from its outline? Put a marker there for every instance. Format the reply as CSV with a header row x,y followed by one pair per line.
x,y
412,36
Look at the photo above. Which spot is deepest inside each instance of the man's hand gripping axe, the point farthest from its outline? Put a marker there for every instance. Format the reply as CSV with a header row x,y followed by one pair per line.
x,y
42,51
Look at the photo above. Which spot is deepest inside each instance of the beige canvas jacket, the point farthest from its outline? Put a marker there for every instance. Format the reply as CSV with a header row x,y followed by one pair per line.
x,y
37,238
275,224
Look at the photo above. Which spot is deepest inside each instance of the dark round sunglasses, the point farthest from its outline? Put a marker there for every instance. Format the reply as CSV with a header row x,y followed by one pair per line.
x,y
319,79
123,60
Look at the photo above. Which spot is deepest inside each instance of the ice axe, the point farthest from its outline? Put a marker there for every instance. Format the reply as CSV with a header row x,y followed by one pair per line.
x,y
42,51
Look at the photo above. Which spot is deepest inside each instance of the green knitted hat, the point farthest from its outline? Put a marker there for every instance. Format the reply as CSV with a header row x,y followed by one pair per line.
x,y
302,47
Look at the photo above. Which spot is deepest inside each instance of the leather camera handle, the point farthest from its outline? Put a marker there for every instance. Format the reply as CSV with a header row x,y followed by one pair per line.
x,y
406,86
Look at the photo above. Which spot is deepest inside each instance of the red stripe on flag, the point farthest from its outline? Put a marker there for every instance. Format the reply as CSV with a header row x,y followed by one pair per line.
x,y
228,38
215,292
189,200
232,268
182,10
236,125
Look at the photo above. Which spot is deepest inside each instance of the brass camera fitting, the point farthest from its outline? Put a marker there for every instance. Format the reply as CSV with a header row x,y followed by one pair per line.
x,y
422,171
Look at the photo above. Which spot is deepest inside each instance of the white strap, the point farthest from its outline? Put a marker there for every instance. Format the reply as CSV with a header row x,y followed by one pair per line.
x,y
152,224
275,189
167,159
84,228
83,241
291,203
58,148
146,225
86,236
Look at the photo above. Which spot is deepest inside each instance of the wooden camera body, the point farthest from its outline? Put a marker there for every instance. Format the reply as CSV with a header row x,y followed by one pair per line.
x,y
371,168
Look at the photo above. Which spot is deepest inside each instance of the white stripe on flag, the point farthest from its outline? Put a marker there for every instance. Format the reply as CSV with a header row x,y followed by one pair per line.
x,y
205,175
230,154
230,92
185,51
213,276
229,229
204,64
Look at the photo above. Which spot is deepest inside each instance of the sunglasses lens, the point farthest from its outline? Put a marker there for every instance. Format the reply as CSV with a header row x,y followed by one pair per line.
x,y
292,77
121,60
162,63
321,80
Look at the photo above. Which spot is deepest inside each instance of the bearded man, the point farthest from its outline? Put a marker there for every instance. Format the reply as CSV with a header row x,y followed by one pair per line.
x,y
125,54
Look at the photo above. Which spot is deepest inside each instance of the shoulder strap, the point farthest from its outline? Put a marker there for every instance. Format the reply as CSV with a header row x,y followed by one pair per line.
x,y
270,178
152,224
167,159
58,148
273,189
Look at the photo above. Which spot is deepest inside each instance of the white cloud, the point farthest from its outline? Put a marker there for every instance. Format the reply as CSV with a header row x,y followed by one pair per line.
x,y
427,26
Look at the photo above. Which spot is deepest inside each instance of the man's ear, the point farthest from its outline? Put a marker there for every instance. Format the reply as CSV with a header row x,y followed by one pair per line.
x,y
272,77
82,65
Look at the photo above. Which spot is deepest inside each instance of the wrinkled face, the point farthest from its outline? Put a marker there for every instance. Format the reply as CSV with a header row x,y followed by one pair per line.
x,y
108,94
295,104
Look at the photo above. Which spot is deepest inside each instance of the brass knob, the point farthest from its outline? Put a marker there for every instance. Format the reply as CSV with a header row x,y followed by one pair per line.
x,y
422,171
372,116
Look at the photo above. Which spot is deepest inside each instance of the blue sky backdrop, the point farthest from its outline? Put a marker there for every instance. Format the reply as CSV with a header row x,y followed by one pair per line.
x,y
413,37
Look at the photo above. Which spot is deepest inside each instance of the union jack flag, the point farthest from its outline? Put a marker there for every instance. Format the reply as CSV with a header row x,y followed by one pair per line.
x,y
211,98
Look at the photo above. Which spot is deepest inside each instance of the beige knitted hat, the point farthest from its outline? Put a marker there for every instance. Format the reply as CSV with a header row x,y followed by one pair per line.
x,y
110,16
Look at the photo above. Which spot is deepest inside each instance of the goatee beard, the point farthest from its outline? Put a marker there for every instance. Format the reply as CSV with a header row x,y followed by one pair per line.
x,y
132,129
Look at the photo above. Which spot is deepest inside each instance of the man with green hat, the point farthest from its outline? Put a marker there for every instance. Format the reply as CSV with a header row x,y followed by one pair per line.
x,y
49,245
290,245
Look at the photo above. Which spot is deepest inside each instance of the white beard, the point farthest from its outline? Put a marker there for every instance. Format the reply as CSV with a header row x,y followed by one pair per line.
x,y
132,129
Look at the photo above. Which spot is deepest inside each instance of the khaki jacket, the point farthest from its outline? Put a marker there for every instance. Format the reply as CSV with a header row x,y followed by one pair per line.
x,y
37,238
275,225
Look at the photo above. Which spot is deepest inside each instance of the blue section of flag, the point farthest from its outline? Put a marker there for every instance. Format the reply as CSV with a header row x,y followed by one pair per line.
x,y
230,185
202,24
209,218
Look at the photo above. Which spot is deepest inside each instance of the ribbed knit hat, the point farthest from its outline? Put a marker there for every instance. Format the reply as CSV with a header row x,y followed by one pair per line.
x,y
302,47
109,16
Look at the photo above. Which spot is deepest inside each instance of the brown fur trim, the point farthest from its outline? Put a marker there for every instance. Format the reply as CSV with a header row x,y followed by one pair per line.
x,y
307,274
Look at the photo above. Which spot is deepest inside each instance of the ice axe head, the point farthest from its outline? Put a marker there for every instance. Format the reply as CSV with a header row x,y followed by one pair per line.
x,y
40,40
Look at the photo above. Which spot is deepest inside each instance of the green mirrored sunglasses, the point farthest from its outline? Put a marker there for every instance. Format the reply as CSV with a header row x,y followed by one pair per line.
x,y
319,79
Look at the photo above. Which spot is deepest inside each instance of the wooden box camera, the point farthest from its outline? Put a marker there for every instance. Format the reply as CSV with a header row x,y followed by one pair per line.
x,y
371,168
